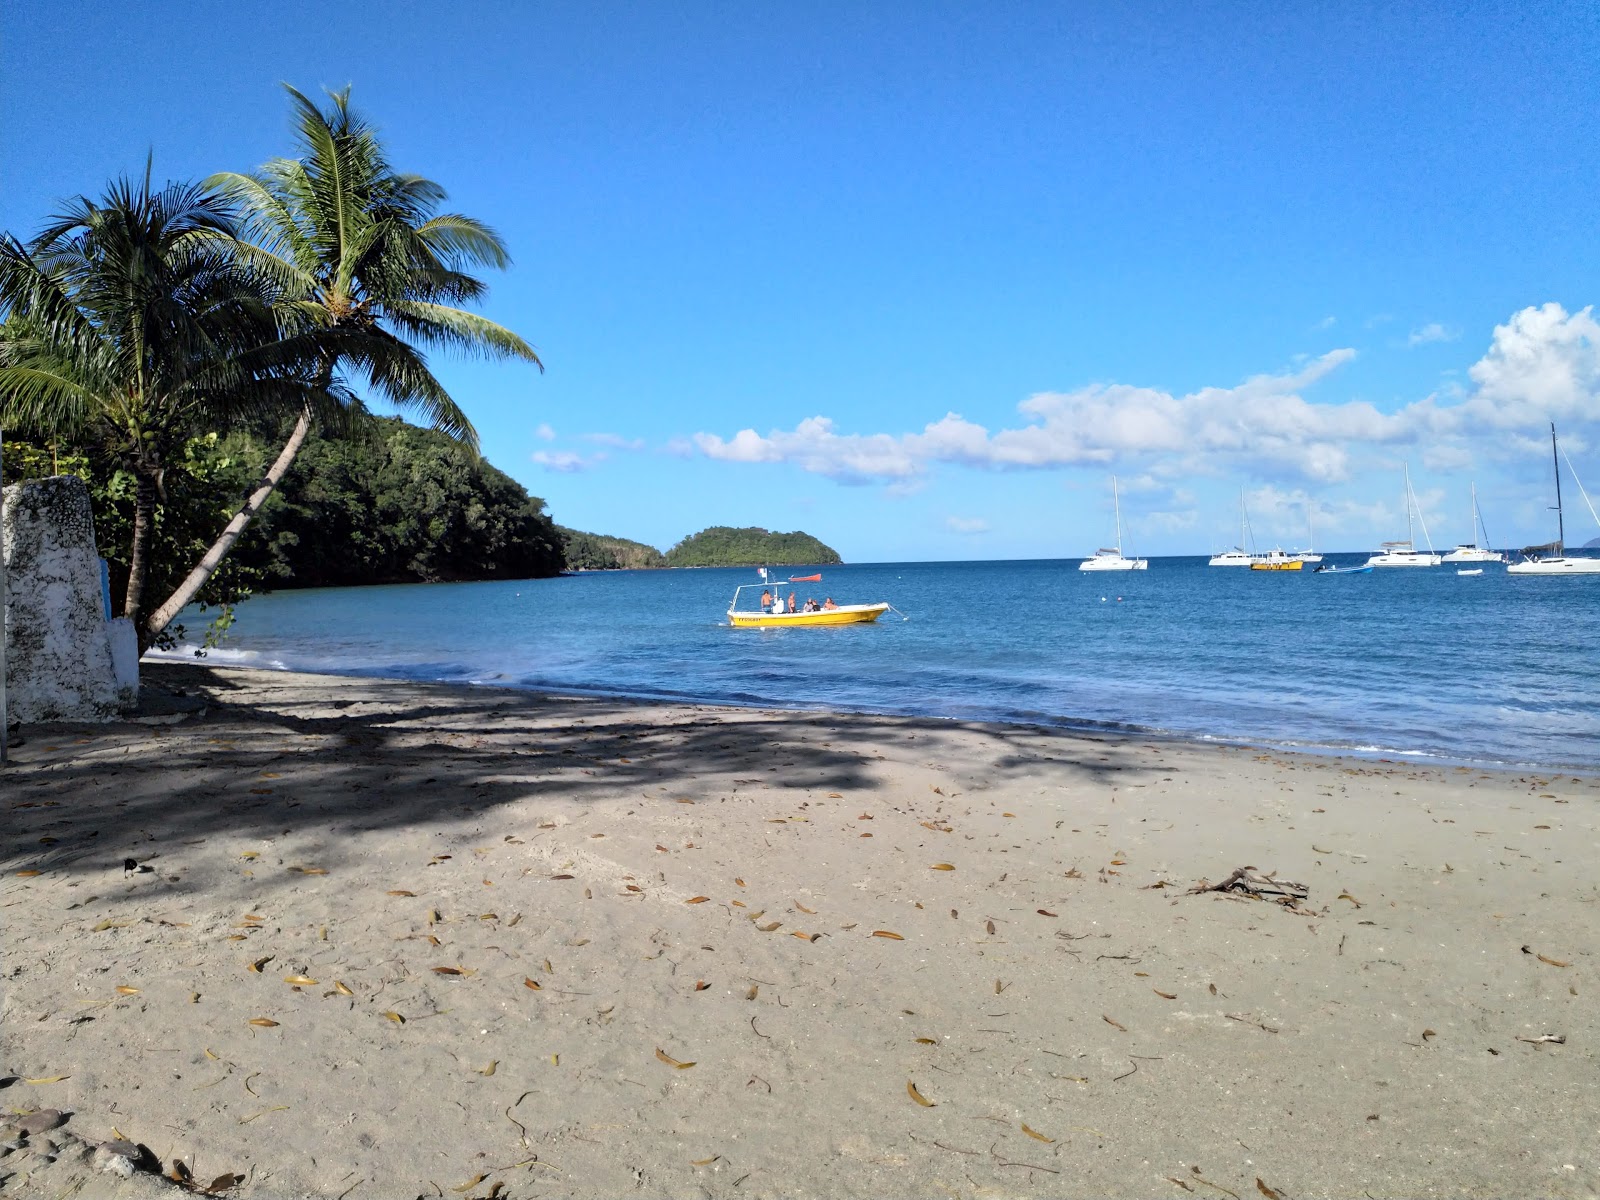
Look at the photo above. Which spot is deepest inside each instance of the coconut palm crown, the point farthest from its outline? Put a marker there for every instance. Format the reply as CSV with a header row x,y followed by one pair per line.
x,y
365,255
129,322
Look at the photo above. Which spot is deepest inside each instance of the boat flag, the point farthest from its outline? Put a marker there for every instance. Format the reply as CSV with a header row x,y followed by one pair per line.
x,y
762,571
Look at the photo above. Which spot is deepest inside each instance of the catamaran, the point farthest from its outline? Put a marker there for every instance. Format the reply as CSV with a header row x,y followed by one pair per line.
x,y
1238,556
1553,559
1473,552
1110,558
1405,554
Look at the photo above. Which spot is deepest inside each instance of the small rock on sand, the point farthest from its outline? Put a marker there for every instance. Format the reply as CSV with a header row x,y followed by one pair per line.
x,y
39,1122
116,1158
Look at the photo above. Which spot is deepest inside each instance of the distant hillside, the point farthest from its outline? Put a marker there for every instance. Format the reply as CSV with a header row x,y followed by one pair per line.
x,y
1592,544
597,552
721,546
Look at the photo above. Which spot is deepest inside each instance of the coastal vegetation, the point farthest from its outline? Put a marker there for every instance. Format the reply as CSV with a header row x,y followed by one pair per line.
x,y
140,325
597,552
721,546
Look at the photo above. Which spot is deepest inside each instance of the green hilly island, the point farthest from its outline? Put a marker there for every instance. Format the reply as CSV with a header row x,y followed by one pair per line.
x,y
721,546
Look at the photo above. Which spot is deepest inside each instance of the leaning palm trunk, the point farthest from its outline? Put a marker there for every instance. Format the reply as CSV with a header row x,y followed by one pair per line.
x,y
144,512
207,567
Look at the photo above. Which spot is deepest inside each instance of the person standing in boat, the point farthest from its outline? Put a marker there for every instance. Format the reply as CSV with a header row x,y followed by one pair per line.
x,y
766,600
791,601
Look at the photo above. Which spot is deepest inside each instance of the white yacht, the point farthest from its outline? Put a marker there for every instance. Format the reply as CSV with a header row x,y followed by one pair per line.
x,y
1405,554
1472,552
1110,558
1554,559
1309,555
1238,556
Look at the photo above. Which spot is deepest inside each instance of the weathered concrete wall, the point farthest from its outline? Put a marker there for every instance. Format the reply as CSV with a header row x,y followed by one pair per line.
x,y
59,664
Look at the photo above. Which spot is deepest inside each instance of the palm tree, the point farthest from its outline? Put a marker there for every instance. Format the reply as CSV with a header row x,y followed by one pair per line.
x,y
364,254
130,324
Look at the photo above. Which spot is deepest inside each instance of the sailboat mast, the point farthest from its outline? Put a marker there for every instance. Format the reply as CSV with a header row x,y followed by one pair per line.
x,y
1561,525
1410,537
1116,507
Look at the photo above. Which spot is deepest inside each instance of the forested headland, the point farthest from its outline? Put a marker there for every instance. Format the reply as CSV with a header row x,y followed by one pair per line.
x,y
721,546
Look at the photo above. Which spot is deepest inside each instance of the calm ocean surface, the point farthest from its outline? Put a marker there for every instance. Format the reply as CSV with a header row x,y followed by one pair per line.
x,y
1492,669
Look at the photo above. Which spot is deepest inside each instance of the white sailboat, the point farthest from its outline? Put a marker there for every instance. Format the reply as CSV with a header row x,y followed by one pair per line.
x,y
1554,559
1309,555
1472,552
1238,556
1110,558
1405,554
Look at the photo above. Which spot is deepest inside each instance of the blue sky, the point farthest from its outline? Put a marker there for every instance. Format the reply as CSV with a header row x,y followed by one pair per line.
x,y
918,278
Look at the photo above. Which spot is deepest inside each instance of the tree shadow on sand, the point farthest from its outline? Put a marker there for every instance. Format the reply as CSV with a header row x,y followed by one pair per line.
x,y
323,759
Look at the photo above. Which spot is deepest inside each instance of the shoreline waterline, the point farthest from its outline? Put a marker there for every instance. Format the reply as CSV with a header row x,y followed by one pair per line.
x,y
1085,727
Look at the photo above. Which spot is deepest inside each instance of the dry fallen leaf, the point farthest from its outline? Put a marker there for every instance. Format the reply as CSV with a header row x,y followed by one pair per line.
x,y
30,872
1036,1135
1165,995
942,867
300,980
401,892
697,899
927,1042
264,1022
45,1080
395,1017
342,989
1269,1192
769,926
309,870
124,990
911,1090
259,963
1115,1024
700,985
450,971
532,984
489,1070
670,1061
755,990
808,911
470,1184
884,933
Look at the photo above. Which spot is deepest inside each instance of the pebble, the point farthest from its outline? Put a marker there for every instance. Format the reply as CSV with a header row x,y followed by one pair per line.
x,y
116,1158
44,1119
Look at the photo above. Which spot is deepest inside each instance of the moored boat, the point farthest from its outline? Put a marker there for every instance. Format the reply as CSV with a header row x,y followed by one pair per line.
x,y
1473,552
1110,558
1276,560
1553,559
1405,554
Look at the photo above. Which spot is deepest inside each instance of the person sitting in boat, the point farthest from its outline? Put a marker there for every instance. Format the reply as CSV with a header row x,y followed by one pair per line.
x,y
829,604
811,604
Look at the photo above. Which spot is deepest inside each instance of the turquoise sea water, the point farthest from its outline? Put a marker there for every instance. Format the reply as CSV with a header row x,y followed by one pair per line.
x,y
1491,669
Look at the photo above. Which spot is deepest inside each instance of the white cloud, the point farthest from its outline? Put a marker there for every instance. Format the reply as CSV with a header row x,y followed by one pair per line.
x,y
565,461
968,525
1326,323
1432,332
1543,364
545,433
614,440
1263,418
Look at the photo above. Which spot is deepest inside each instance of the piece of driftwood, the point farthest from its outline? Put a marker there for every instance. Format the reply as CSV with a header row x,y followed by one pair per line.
x,y
1259,885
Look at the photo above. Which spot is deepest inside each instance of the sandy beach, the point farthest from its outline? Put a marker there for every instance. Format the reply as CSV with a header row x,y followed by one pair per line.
x,y
356,938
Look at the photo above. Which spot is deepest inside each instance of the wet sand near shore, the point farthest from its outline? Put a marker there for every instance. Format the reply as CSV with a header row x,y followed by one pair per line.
x,y
386,939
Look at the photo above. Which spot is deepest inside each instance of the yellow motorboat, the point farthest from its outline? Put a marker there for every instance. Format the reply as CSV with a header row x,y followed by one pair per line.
x,y
1276,560
774,614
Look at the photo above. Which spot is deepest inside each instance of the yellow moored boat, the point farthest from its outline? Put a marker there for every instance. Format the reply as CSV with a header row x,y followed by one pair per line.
x,y
772,612
1276,560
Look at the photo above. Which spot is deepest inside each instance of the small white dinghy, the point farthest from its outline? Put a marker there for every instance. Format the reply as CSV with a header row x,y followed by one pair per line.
x,y
1473,571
